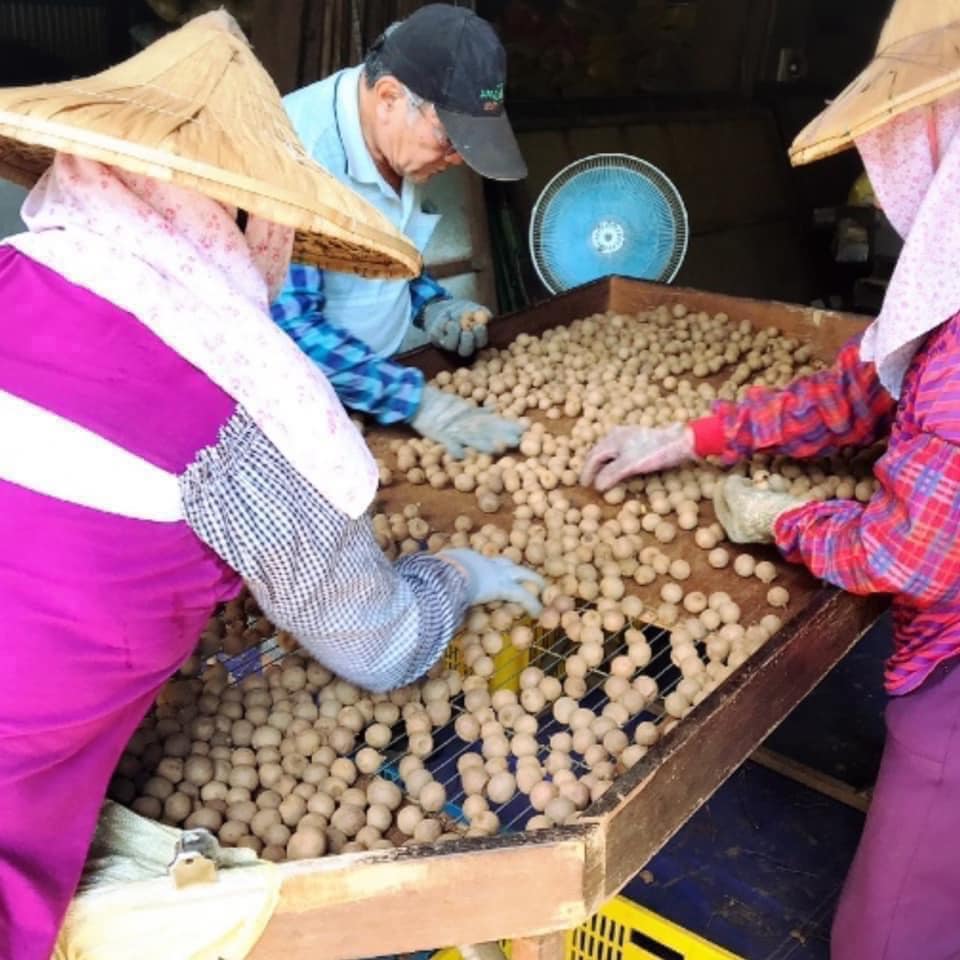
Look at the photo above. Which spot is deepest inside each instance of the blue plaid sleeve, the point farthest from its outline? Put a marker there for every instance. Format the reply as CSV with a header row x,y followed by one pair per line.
x,y
423,290
388,391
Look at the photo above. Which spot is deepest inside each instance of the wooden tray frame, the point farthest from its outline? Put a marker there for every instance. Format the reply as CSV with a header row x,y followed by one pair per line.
x,y
528,886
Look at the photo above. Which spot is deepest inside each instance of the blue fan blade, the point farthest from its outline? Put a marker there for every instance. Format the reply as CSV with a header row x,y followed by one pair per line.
x,y
608,220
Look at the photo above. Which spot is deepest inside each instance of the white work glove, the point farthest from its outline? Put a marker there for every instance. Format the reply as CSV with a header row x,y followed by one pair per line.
x,y
494,578
629,451
459,326
747,512
459,423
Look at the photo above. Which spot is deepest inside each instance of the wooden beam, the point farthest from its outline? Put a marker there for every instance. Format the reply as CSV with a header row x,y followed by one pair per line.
x,y
416,898
653,800
480,243
451,268
808,777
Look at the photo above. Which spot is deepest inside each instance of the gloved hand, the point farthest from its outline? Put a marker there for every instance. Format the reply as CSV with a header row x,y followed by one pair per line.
x,y
456,325
459,423
628,451
747,512
495,578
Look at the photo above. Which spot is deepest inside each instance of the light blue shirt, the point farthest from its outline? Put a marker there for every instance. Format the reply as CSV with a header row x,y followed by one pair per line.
x,y
326,116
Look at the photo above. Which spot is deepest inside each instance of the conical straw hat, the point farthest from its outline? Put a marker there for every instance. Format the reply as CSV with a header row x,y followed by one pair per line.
x,y
196,108
917,61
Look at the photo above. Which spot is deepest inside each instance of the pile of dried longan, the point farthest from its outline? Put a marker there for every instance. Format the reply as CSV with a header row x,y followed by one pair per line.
x,y
286,761
295,762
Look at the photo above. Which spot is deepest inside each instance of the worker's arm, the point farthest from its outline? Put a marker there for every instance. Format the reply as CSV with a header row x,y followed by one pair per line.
x,y
320,574
423,290
377,624
383,625
845,406
388,391
451,323
904,541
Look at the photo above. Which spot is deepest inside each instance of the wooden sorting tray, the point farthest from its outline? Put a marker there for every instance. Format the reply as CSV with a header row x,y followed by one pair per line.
x,y
525,885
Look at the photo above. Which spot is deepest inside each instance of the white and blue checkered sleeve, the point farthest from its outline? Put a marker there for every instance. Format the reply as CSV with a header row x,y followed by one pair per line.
x,y
314,571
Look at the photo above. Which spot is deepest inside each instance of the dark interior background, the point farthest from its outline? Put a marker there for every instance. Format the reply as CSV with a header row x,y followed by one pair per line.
x,y
710,91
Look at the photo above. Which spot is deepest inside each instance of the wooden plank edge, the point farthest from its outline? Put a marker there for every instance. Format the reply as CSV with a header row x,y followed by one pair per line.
x,y
421,898
550,947
651,802
831,329
623,291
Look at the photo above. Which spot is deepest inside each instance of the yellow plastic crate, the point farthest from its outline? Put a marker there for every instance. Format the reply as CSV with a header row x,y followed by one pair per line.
x,y
622,930
508,664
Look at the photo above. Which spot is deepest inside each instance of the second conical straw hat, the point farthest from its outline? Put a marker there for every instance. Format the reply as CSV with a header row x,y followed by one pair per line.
x,y
196,108
917,61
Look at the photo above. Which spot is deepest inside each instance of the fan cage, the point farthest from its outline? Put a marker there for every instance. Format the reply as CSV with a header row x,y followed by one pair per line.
x,y
620,162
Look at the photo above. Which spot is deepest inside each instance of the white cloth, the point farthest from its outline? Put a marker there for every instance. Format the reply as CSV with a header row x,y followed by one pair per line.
x,y
35,444
913,162
176,260
326,116
128,906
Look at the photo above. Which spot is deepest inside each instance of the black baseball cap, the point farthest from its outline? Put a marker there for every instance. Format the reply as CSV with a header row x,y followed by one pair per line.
x,y
453,58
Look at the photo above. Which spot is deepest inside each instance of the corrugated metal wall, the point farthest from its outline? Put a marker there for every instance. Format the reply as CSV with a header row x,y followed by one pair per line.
x,y
300,41
74,36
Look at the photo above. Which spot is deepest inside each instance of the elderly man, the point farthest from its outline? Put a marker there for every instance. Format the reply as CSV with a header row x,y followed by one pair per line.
x,y
428,96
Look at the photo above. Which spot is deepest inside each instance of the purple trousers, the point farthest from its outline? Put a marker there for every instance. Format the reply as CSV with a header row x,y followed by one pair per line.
x,y
901,899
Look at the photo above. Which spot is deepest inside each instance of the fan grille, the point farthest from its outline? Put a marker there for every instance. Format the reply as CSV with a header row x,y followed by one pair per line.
x,y
610,213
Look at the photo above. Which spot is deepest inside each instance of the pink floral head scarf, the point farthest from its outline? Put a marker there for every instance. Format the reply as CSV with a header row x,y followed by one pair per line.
x,y
913,162
176,260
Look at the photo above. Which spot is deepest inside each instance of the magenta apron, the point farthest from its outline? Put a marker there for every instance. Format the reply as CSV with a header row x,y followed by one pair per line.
x,y
901,900
98,610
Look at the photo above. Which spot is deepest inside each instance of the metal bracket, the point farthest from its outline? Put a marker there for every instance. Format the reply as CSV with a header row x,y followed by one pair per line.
x,y
195,858
482,951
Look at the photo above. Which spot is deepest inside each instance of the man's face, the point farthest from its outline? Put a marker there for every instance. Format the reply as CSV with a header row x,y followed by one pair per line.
x,y
411,136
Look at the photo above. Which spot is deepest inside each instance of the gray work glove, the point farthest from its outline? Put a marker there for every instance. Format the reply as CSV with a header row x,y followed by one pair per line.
x,y
629,451
495,578
748,513
459,326
458,424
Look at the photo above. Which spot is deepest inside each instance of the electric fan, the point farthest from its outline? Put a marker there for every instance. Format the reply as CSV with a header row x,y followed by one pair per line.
x,y
609,213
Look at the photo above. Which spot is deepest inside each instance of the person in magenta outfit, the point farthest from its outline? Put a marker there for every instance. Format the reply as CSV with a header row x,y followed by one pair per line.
x,y
163,442
899,382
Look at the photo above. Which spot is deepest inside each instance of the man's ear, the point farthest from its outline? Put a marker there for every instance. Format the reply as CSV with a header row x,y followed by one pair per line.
x,y
388,93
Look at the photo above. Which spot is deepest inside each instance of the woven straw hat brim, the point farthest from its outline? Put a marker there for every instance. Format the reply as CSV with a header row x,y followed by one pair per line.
x,y
907,73
197,109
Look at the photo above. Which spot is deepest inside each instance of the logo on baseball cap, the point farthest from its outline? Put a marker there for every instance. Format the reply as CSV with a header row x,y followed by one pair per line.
x,y
453,58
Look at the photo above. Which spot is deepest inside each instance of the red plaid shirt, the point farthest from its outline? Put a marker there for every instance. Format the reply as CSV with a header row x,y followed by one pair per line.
x,y
906,540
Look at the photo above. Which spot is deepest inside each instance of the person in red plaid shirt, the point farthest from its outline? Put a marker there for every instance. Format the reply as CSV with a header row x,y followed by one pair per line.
x,y
900,381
